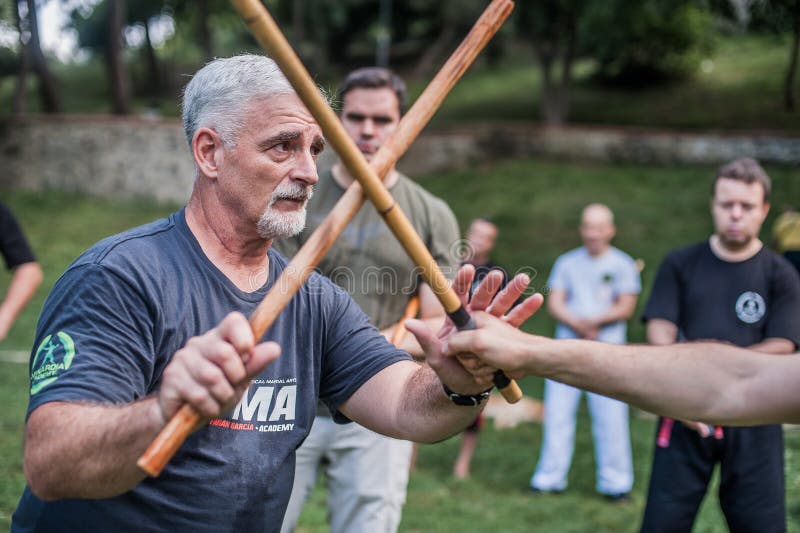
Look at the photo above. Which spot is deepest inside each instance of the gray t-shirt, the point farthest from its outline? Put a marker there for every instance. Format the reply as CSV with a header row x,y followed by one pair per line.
x,y
111,325
367,260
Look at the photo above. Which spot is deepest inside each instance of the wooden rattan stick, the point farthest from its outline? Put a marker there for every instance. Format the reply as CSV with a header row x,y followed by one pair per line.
x,y
180,426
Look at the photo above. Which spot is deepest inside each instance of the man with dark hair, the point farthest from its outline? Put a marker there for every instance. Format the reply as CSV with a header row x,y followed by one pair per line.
x,y
154,318
27,274
730,288
367,473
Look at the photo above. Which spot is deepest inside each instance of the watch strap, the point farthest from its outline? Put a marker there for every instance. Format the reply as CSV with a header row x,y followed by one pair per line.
x,y
467,400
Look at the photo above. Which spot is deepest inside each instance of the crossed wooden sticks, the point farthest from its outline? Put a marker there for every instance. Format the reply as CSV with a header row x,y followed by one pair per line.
x,y
368,181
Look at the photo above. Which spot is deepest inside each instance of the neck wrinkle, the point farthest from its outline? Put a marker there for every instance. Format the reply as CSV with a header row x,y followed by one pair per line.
x,y
216,231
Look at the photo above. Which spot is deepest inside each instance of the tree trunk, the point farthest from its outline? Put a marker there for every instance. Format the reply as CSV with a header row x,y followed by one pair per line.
x,y
204,30
570,36
298,21
549,105
435,52
153,74
318,57
384,44
117,75
51,103
789,102
24,65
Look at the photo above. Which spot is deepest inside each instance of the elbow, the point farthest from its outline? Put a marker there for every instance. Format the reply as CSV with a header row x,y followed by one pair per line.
x,y
38,476
35,275
43,458
29,276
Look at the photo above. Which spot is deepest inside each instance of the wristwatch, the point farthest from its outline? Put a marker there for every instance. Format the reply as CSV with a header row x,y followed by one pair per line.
x,y
468,400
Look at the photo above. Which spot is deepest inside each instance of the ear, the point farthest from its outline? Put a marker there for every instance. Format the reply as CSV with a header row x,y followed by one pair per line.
x,y
208,150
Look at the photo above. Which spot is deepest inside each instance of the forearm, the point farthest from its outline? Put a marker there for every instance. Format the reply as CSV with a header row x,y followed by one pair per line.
x,y
23,285
407,401
427,414
693,381
88,451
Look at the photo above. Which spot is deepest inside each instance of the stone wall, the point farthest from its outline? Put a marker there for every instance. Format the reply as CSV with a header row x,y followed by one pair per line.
x,y
112,157
149,158
460,148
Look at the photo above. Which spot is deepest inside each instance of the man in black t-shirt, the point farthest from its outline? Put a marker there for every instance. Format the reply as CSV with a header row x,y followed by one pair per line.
x,y
733,289
27,275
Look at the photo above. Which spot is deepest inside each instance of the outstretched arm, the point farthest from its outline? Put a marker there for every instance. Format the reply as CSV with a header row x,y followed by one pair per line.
x,y
407,400
717,383
80,450
26,279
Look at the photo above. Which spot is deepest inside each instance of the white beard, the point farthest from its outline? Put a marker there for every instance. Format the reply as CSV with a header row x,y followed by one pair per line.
x,y
275,224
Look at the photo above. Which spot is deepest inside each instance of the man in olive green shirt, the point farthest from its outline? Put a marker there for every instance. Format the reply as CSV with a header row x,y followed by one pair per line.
x,y
366,472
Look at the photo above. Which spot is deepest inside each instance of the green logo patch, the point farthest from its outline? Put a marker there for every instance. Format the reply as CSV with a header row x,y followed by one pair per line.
x,y
53,356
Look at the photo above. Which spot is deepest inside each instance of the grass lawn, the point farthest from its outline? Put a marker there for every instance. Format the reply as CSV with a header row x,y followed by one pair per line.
x,y
536,204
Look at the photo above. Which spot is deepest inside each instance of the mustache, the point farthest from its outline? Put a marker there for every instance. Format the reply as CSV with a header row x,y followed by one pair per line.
x,y
291,191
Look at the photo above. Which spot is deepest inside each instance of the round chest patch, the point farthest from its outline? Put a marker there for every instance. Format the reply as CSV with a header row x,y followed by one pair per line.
x,y
750,307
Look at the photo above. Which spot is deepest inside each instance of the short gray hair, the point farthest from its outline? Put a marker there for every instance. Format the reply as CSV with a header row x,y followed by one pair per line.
x,y
219,94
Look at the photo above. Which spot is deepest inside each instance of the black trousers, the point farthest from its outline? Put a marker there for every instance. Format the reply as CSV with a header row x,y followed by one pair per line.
x,y
751,491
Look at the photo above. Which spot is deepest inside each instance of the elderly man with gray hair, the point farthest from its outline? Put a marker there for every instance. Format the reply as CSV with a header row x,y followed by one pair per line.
x,y
153,318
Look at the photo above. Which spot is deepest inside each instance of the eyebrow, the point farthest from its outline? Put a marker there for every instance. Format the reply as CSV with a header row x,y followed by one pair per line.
x,y
289,136
351,115
281,137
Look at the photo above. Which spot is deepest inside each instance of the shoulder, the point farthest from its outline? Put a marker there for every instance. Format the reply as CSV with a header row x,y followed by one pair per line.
x,y
621,256
778,265
7,220
430,215
133,244
417,192
567,263
687,254
576,255
143,257
5,212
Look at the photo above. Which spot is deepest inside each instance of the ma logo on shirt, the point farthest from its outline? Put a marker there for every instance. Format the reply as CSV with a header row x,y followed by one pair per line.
x,y
263,408
750,307
53,356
